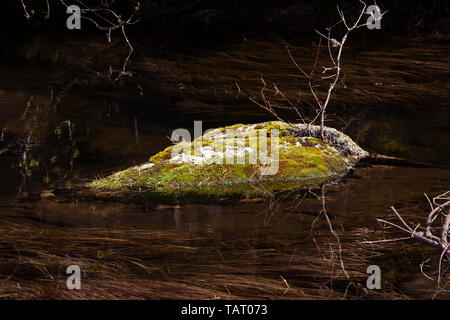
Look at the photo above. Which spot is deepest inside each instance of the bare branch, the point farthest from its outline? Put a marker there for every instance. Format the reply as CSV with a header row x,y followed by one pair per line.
x,y
428,237
335,47
103,18
27,15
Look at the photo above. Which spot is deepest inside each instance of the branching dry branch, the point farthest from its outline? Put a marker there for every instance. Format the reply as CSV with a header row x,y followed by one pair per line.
x,y
104,19
440,207
435,233
330,74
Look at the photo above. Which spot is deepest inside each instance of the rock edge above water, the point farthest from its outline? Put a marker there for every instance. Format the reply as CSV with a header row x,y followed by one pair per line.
x,y
304,161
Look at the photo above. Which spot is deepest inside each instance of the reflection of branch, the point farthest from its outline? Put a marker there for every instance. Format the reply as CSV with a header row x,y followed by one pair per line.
x,y
31,122
323,212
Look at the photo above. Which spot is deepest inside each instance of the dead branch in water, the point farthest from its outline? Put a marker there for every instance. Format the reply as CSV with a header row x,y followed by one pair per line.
x,y
440,207
434,233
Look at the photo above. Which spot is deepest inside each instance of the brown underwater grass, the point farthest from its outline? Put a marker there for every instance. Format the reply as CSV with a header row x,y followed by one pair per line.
x,y
389,73
130,263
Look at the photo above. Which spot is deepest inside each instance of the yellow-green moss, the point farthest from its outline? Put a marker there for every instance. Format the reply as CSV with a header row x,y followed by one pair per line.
x,y
303,161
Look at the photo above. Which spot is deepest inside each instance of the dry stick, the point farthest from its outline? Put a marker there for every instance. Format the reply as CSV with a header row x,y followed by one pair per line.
x,y
401,219
440,272
110,25
445,228
48,10
426,237
423,272
337,61
267,104
287,285
336,68
441,243
432,217
27,15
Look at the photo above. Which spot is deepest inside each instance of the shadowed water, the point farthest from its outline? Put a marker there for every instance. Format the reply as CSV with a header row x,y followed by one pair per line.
x,y
72,128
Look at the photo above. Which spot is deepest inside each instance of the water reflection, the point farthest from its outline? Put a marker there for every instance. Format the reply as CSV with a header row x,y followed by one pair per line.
x,y
209,247
248,249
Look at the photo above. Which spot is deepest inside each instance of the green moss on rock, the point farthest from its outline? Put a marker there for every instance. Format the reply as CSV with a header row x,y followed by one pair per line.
x,y
203,171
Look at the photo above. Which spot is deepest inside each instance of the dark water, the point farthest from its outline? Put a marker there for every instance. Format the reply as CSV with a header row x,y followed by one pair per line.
x,y
280,248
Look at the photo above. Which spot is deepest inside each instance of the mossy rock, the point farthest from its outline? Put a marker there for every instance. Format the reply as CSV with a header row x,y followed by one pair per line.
x,y
232,162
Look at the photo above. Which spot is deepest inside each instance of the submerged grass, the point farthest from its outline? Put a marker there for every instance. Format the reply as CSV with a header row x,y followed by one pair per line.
x,y
273,249
130,263
137,263
383,73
